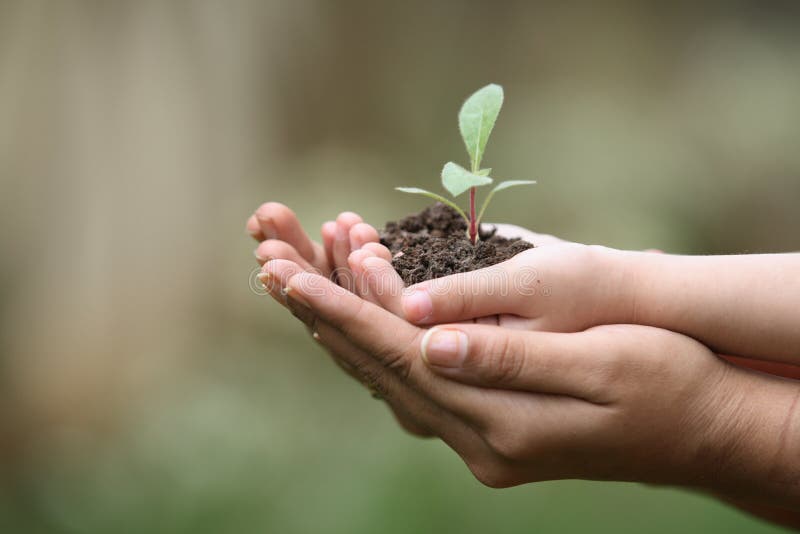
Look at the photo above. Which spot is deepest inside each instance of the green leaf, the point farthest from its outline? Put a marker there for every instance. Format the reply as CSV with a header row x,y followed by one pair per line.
x,y
416,191
476,120
456,179
511,183
484,172
440,198
500,187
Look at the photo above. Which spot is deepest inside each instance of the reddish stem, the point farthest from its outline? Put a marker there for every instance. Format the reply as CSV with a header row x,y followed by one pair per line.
x,y
473,227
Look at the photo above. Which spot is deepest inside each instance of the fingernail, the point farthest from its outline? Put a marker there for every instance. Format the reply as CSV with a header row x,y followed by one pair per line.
x,y
259,257
266,278
444,347
292,293
417,306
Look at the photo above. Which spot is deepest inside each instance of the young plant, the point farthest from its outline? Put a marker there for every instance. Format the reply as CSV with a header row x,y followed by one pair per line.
x,y
475,121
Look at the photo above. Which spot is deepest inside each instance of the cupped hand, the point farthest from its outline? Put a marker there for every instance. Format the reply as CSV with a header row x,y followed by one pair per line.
x,y
555,287
613,402
281,236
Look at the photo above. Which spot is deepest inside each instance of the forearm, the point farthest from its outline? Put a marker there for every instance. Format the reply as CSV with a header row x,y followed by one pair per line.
x,y
742,305
751,450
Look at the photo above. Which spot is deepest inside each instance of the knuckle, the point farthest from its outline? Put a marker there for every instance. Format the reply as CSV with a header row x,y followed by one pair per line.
x,y
620,362
612,370
505,360
387,351
371,377
397,363
451,298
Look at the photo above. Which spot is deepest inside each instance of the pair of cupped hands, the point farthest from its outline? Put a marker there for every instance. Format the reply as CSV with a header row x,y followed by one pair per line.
x,y
528,369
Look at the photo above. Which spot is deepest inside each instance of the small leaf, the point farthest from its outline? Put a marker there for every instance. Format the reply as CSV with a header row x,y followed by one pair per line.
x,y
414,190
476,120
500,187
511,183
456,179
484,172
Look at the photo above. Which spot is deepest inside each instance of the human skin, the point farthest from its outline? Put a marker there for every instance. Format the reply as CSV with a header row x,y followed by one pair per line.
x,y
740,305
364,236
744,305
604,404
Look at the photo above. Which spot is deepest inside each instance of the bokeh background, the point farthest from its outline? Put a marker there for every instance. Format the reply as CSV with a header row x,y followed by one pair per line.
x,y
144,387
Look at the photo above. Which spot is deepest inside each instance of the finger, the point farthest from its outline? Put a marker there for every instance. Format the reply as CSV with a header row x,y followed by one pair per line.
x,y
363,325
494,357
360,283
369,327
361,234
394,345
494,290
379,250
391,386
341,248
517,322
275,274
275,249
384,284
279,222
328,232
253,229
279,272
332,306
407,406
389,340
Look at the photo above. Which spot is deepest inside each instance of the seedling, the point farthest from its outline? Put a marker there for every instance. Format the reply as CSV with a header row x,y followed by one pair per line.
x,y
475,121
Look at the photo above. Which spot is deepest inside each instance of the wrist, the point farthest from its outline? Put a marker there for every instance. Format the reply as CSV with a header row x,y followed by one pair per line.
x,y
618,299
748,442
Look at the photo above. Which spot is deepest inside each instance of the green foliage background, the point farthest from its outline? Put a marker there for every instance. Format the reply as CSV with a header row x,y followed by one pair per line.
x,y
145,388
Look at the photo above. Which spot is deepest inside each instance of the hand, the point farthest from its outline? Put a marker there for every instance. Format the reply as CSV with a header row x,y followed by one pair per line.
x,y
600,404
280,235
556,287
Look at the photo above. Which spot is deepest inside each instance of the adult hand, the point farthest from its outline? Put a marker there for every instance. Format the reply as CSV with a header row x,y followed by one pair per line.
x,y
280,235
613,402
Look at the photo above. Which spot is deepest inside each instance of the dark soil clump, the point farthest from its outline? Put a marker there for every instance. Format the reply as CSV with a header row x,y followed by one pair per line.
x,y
434,243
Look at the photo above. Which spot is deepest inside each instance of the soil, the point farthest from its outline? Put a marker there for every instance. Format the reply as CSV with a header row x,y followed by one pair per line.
x,y
434,243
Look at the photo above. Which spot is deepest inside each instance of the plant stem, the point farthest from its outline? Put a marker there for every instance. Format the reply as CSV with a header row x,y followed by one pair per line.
x,y
473,226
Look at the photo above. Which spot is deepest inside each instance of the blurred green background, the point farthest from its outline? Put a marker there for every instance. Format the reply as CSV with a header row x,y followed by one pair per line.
x,y
145,388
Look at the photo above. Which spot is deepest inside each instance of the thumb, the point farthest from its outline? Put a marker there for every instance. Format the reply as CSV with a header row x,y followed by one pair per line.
x,y
495,290
497,357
